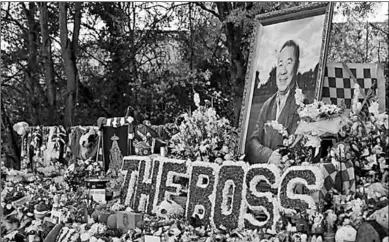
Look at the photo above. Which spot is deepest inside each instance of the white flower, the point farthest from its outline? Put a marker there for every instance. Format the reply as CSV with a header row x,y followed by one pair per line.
x,y
85,237
71,167
299,96
11,235
181,147
356,106
197,115
203,148
373,109
382,119
93,239
207,75
93,229
197,99
313,141
225,149
211,113
185,116
369,127
278,127
309,111
372,159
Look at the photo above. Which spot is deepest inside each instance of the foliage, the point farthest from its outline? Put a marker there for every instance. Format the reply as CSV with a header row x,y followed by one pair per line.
x,y
124,60
356,40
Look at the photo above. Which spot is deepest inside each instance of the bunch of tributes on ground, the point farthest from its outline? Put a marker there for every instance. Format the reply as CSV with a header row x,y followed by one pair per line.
x,y
348,208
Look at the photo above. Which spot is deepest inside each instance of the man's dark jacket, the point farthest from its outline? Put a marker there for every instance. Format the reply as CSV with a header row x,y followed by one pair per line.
x,y
265,139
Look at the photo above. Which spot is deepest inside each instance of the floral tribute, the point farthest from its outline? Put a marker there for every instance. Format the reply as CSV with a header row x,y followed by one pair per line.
x,y
80,169
316,121
271,202
366,139
204,136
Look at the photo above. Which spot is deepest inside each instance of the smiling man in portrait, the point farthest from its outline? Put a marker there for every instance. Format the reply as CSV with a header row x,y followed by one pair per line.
x,y
264,141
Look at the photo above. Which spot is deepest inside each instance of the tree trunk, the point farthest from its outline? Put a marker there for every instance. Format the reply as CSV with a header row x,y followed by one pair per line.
x,y
31,75
9,147
69,55
48,59
234,35
237,69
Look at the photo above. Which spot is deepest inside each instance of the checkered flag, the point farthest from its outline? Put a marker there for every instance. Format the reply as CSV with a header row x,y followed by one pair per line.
x,y
339,80
341,178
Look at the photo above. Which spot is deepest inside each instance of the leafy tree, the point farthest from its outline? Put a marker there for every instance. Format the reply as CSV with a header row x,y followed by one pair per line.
x,y
134,54
237,19
356,40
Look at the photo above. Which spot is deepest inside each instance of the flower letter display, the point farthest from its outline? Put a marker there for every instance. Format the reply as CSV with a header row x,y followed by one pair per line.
x,y
229,194
147,185
259,199
130,166
310,177
168,170
232,195
202,184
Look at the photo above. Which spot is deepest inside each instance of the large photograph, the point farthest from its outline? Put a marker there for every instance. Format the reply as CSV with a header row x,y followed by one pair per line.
x,y
286,55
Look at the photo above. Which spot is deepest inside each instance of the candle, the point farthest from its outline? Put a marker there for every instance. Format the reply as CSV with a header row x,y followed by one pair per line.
x,y
163,151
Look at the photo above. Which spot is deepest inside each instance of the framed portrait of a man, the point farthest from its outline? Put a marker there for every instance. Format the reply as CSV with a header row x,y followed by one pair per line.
x,y
288,52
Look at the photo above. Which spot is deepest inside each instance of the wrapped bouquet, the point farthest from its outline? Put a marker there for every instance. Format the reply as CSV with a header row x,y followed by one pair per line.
x,y
203,135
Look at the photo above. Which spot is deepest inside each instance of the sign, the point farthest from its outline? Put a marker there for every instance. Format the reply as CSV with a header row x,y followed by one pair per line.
x,y
225,195
127,220
97,189
98,195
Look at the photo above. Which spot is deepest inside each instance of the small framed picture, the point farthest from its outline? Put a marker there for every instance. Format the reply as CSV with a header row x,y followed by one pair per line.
x,y
56,216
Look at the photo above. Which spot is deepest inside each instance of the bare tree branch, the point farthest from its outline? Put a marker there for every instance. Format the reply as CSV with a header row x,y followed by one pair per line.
x,y
203,7
13,20
378,28
92,29
13,87
6,78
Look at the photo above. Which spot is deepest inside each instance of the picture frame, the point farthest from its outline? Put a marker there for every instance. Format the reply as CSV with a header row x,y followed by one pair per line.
x,y
268,29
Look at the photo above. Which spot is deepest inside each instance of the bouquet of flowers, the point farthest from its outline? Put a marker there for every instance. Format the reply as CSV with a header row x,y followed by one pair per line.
x,y
4,170
316,120
78,171
12,192
203,135
116,180
56,169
